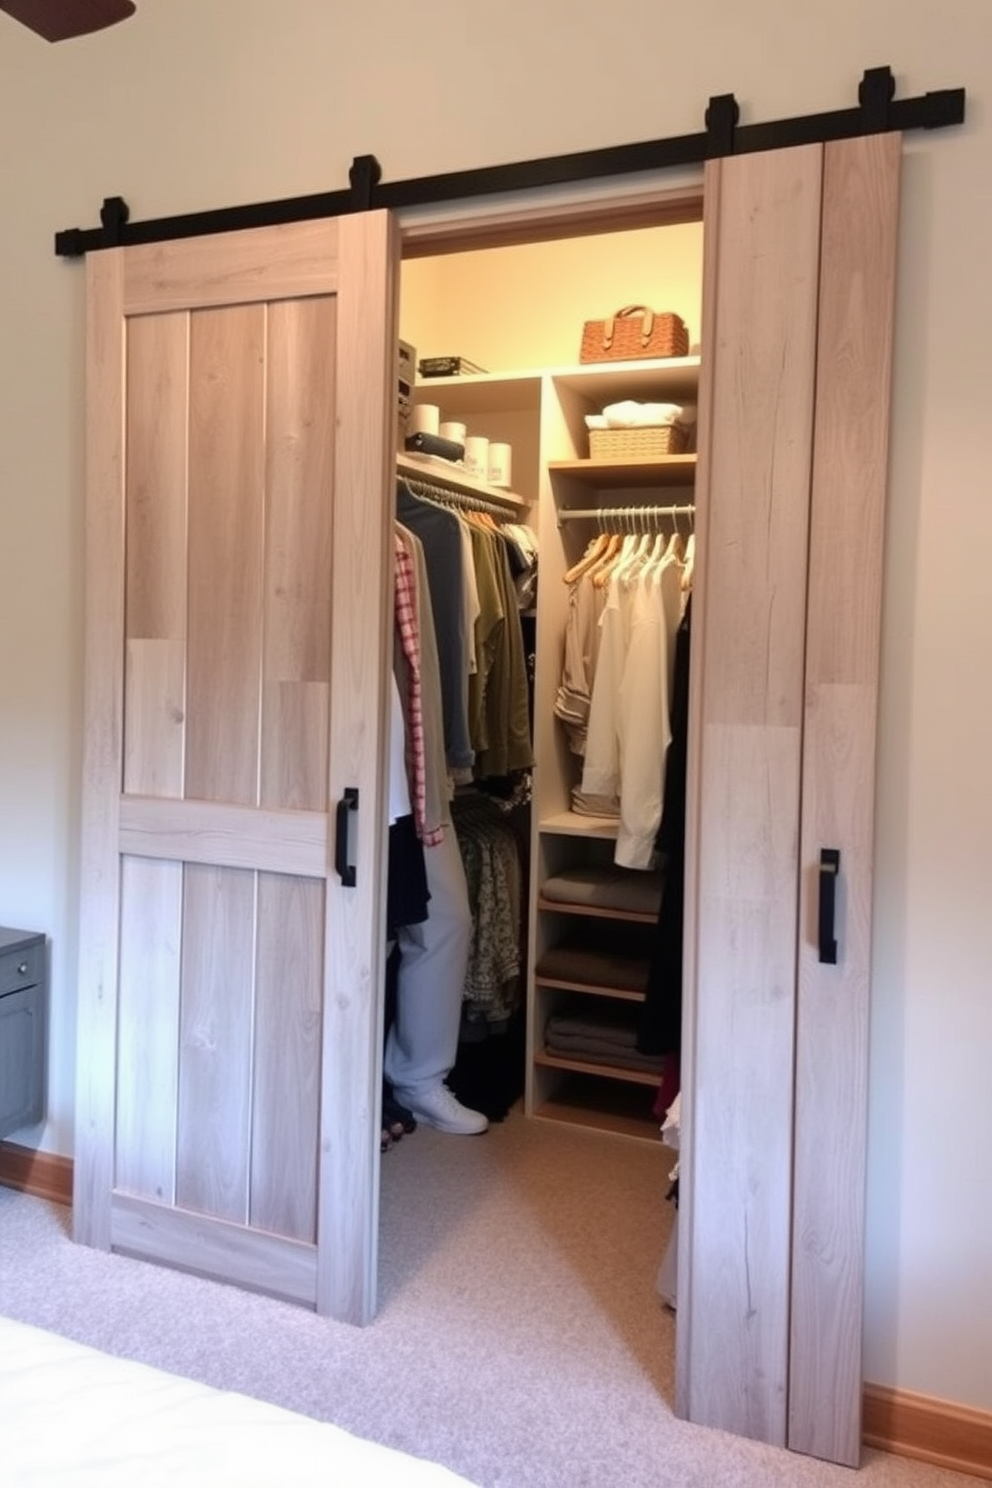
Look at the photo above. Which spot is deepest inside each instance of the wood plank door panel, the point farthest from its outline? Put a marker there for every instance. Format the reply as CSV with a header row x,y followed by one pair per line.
x,y
749,601
797,338
854,359
238,603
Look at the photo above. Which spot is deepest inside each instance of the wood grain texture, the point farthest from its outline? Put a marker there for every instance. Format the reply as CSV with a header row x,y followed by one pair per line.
x,y
296,663
148,1028
212,1247
157,399
227,268
226,516
216,1018
742,895
689,1240
155,551
295,726
229,836
102,750
854,354
361,631
288,1018
154,717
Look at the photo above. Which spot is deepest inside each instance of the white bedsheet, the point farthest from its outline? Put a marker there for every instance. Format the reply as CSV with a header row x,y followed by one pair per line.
x,y
71,1417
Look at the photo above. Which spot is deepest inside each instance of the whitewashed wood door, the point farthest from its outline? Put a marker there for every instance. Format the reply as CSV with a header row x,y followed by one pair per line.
x,y
241,434
798,284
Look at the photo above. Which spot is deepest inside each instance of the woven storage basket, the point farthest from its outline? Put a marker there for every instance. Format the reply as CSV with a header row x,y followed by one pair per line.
x,y
635,331
630,444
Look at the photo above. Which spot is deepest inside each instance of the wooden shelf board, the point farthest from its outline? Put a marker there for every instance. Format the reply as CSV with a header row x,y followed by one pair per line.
x,y
621,994
620,1110
643,470
444,472
487,392
600,1071
520,388
678,376
598,912
574,824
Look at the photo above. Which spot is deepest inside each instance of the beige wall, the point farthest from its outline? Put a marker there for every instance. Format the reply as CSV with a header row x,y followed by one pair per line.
x,y
510,309
199,103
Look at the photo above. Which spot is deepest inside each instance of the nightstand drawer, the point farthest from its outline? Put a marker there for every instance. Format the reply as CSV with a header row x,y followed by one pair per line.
x,y
21,966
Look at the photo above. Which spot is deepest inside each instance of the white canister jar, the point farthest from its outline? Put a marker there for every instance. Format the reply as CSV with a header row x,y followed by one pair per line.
x,y
477,456
425,418
500,469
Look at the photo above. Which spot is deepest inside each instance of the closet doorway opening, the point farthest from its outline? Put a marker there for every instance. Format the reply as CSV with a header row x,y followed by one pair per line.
x,y
509,294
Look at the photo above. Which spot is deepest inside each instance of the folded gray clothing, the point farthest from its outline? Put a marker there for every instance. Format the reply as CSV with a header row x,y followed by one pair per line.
x,y
607,888
585,968
607,1032
600,1039
588,1050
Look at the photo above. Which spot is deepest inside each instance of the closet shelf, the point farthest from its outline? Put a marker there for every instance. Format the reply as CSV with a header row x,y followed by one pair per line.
x,y
574,824
595,911
590,989
444,473
616,1117
667,378
608,1071
643,470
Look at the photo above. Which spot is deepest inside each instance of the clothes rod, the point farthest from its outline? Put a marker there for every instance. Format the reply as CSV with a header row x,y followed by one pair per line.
x,y
448,497
451,480
631,514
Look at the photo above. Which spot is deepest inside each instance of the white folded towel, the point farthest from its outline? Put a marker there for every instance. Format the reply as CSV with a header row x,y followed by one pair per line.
x,y
634,415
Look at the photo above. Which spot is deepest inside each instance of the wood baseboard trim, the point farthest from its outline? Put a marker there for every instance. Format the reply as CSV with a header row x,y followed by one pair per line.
x,y
43,1174
935,1431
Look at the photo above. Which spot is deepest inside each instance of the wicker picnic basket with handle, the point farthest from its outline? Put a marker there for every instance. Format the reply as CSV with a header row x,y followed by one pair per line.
x,y
634,332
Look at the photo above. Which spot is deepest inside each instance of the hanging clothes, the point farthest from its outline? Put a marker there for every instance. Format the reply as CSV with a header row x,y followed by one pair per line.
x,y
440,534
484,681
491,859
629,726
660,1029
437,785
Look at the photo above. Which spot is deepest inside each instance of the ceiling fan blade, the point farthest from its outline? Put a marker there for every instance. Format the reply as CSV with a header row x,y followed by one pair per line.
x,y
57,20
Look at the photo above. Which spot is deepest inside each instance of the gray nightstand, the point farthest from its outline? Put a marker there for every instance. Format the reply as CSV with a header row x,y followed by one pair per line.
x,y
23,1002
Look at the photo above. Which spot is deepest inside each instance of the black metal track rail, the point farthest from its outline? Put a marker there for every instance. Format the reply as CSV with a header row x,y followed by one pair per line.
x,y
877,111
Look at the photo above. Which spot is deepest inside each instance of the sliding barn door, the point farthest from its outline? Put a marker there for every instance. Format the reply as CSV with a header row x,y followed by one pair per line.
x,y
799,271
241,422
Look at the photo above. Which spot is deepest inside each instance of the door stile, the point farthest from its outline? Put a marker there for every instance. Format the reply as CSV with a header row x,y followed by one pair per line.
x,y
687,1241
362,600
102,766
854,358
759,340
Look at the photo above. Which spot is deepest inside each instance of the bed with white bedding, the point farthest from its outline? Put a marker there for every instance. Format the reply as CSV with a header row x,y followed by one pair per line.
x,y
71,1417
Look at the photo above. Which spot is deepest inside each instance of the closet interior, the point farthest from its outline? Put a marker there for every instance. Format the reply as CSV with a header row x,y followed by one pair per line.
x,y
598,995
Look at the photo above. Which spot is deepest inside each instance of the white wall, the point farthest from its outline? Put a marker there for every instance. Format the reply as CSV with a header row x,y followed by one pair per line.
x,y
199,103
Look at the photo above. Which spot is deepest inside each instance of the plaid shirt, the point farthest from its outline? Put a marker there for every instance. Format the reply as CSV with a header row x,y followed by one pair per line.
x,y
406,625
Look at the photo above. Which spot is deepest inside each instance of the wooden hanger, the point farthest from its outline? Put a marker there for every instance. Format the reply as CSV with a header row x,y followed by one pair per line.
x,y
595,550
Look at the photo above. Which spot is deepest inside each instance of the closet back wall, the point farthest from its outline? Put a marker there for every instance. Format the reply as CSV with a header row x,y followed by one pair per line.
x,y
523,307
208,102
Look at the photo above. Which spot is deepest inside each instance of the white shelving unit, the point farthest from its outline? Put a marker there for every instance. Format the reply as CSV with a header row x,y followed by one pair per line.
x,y
542,414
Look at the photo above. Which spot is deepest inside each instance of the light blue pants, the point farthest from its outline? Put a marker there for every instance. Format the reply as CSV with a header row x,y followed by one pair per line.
x,y
422,1043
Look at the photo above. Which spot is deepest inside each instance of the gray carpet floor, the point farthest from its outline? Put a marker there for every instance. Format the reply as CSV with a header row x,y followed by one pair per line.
x,y
519,1339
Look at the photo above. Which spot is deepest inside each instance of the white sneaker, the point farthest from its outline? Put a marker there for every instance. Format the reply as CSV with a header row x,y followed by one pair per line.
x,y
439,1108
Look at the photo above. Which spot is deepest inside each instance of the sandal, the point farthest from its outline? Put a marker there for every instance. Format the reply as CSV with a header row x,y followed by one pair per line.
x,y
394,1115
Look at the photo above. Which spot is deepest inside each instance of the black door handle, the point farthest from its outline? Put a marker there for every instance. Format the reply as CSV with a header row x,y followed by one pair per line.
x,y
348,803
829,873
